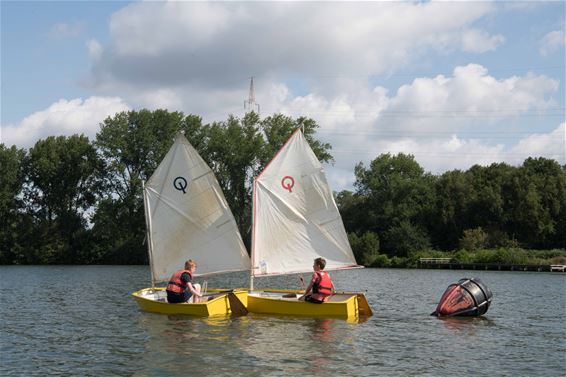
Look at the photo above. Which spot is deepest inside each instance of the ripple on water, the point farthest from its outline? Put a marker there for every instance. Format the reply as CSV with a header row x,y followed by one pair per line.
x,y
80,320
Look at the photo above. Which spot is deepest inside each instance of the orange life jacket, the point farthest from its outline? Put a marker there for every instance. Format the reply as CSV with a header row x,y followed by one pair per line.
x,y
176,284
324,285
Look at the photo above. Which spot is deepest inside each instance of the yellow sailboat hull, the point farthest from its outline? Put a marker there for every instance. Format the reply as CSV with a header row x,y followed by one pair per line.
x,y
285,302
154,300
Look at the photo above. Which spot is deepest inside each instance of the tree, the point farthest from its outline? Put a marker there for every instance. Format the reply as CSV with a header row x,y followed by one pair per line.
x,y
234,152
350,206
486,205
398,198
11,184
365,247
405,238
453,193
63,181
473,239
537,203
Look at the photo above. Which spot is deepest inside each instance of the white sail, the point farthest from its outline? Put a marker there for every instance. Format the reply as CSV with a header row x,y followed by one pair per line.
x,y
295,217
190,218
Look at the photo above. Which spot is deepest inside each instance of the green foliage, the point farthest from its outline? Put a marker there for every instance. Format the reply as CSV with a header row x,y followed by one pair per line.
x,y
414,257
506,256
474,239
351,205
234,149
397,262
547,254
514,206
463,256
406,238
63,182
365,247
495,256
498,238
12,170
395,196
381,261
63,175
537,203
452,196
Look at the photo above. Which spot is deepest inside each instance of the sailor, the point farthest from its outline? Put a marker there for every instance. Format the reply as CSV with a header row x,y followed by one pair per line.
x,y
181,288
321,286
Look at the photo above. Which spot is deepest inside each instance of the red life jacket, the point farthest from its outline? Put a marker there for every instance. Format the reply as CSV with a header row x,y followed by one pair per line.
x,y
176,284
324,285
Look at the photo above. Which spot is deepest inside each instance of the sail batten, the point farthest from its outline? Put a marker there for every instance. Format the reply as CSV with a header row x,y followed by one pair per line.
x,y
295,216
190,217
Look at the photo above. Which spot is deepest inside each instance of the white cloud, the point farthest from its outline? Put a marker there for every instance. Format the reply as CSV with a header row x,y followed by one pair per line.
x,y
552,42
64,117
94,49
479,41
64,30
211,44
471,94
551,145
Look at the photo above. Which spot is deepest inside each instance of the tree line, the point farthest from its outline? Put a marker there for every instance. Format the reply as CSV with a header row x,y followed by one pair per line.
x,y
400,212
70,200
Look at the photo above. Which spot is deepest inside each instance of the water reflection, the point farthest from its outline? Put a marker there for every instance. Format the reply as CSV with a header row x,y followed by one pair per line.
x,y
465,325
296,343
177,344
322,331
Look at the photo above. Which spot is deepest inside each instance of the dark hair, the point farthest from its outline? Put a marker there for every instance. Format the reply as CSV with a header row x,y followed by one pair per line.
x,y
321,262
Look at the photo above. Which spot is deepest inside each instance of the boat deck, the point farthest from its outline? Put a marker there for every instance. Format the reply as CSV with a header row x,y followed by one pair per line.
x,y
216,302
286,296
160,295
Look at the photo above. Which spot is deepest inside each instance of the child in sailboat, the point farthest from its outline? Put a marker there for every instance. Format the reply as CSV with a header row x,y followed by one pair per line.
x,y
181,288
321,284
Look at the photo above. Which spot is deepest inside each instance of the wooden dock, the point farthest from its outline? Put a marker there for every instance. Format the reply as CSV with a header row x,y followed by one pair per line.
x,y
448,264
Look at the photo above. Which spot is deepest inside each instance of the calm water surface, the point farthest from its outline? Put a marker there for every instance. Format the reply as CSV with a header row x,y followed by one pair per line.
x,y
80,320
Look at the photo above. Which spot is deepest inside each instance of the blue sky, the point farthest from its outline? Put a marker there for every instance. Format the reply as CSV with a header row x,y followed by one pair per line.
x,y
453,83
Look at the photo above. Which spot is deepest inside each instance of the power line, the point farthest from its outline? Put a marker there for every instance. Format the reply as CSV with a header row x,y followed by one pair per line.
x,y
412,74
444,155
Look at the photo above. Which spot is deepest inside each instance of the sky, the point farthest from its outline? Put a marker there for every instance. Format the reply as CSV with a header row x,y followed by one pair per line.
x,y
452,83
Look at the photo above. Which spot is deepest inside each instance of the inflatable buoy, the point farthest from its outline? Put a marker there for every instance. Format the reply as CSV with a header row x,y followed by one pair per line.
x,y
468,297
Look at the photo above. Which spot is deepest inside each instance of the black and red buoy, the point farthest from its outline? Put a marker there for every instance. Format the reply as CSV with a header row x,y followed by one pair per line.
x,y
468,297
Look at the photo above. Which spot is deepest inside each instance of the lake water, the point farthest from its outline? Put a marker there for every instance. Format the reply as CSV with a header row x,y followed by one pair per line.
x,y
81,321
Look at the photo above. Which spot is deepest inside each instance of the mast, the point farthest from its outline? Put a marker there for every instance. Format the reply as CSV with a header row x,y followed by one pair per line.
x,y
252,259
148,233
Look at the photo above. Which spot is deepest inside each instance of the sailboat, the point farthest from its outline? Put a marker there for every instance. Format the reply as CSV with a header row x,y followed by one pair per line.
x,y
295,220
187,217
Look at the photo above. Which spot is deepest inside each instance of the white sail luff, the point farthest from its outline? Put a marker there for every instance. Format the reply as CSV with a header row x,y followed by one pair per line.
x,y
295,216
148,232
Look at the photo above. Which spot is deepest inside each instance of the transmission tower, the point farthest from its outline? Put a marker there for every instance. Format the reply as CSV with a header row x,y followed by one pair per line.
x,y
250,104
